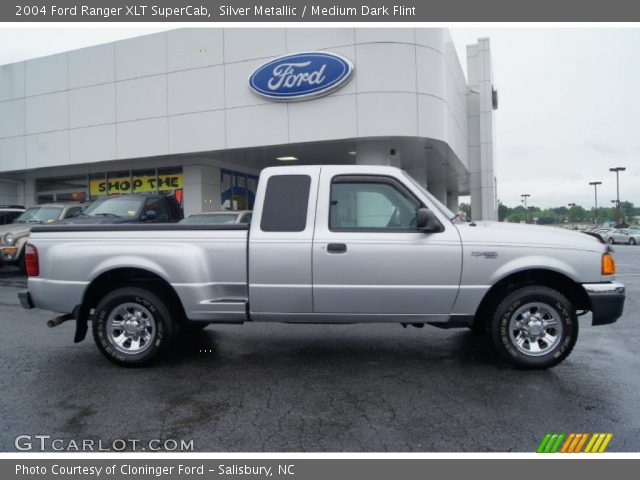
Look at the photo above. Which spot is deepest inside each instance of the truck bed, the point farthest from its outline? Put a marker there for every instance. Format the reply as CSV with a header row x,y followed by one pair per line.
x,y
205,264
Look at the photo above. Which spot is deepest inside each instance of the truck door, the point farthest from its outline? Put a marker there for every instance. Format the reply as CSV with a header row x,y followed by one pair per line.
x,y
368,257
280,241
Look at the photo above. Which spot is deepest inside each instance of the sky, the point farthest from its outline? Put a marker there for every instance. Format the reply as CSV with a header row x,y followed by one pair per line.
x,y
569,104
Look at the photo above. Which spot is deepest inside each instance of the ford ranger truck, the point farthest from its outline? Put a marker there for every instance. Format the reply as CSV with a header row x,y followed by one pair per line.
x,y
327,244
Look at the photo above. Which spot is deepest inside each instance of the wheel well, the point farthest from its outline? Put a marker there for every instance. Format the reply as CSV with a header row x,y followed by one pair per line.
x,y
548,278
131,277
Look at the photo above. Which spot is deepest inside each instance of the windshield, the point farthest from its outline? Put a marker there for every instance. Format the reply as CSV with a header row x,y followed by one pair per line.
x,y
114,207
444,210
211,219
40,215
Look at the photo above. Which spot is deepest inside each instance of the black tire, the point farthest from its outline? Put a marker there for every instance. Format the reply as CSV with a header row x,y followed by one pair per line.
x,y
632,241
158,314
611,240
549,300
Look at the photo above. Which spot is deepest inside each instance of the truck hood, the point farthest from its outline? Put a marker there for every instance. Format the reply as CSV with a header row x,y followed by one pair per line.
x,y
16,229
99,220
501,233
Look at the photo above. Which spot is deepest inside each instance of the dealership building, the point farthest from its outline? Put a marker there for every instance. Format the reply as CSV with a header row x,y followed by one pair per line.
x,y
175,113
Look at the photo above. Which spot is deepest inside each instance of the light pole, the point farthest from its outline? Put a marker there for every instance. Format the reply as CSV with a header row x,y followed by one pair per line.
x,y
617,170
524,199
595,191
571,205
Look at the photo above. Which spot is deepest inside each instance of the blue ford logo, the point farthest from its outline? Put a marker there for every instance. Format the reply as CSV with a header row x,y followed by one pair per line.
x,y
301,76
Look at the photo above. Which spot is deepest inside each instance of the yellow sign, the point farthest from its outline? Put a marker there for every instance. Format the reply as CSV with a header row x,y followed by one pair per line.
x,y
143,184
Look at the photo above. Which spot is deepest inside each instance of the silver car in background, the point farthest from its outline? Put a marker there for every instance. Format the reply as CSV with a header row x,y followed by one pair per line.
x,y
630,236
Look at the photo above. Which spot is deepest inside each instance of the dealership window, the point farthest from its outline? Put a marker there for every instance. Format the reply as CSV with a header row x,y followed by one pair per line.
x,y
166,181
371,204
238,190
61,189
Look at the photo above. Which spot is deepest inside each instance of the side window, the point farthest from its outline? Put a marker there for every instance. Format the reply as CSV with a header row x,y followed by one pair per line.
x,y
285,203
374,203
72,212
159,207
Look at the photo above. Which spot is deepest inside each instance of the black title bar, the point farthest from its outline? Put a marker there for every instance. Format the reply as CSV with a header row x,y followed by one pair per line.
x,y
320,11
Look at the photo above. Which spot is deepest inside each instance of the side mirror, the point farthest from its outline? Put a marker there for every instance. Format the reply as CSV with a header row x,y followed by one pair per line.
x,y
427,222
150,215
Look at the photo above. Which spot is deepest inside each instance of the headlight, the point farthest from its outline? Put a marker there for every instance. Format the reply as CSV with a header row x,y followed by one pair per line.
x,y
9,239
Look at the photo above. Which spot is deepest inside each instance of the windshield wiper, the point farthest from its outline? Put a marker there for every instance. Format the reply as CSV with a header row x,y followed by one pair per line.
x,y
35,221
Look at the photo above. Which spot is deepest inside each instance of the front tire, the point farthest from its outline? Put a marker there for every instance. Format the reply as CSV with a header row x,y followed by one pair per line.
x,y
632,241
534,327
132,326
611,240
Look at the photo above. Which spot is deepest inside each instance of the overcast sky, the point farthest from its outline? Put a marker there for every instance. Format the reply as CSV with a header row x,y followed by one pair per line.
x,y
569,104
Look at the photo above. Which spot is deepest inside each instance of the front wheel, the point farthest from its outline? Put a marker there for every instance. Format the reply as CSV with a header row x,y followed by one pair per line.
x,y
611,240
632,241
534,327
132,326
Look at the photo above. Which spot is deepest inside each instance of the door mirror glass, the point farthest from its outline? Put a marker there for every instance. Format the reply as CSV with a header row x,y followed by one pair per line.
x,y
427,222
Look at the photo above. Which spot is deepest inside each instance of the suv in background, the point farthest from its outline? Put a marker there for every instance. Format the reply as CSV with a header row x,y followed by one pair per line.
x,y
13,236
129,209
8,213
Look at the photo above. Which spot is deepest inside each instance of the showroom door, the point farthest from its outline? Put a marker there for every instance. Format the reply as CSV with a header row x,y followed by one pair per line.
x,y
368,258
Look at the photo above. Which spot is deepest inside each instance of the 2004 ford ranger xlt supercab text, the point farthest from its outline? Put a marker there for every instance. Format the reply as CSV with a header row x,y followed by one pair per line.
x,y
327,244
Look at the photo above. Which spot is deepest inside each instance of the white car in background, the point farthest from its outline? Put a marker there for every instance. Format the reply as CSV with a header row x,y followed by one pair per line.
x,y
222,217
630,236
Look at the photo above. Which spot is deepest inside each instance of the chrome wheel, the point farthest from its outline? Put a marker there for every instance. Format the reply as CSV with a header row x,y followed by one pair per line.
x,y
535,329
131,328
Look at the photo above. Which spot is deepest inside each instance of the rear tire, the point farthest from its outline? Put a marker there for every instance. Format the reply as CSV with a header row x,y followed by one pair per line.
x,y
632,241
534,327
132,327
611,241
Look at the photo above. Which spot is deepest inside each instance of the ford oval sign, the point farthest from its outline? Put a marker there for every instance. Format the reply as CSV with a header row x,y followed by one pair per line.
x,y
301,76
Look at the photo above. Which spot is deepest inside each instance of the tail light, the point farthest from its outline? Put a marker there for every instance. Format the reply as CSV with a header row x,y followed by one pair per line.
x,y
608,264
31,260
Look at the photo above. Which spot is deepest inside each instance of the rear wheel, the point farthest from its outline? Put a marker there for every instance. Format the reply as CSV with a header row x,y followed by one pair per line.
x,y
132,326
534,327
611,240
632,241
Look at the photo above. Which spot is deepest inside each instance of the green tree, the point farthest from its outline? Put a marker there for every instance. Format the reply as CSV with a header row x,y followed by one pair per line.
x,y
466,209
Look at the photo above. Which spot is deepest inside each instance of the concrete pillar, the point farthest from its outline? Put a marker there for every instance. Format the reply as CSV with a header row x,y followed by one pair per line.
x,y
452,201
480,111
201,184
439,190
29,195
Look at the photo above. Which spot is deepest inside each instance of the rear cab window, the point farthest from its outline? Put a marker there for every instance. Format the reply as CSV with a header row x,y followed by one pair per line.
x,y
286,203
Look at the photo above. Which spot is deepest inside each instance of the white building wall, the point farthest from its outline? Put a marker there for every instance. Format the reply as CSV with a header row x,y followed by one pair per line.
x,y
185,91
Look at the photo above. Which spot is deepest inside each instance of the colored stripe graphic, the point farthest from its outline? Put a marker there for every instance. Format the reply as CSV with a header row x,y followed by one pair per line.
x,y
550,443
573,442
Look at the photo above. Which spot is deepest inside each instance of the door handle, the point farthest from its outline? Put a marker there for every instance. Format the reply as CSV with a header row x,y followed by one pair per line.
x,y
336,248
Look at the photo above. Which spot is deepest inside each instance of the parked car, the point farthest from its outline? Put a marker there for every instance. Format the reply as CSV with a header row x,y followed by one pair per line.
x,y
630,236
130,209
8,213
328,244
219,218
14,236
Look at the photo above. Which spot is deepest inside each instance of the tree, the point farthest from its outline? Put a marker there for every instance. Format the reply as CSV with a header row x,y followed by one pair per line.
x,y
503,212
466,209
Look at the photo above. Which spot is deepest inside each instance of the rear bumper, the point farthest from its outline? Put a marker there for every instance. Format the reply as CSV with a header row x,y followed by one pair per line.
x,y
607,301
25,300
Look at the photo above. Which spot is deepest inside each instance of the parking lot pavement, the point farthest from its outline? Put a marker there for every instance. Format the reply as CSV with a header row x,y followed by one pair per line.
x,y
320,388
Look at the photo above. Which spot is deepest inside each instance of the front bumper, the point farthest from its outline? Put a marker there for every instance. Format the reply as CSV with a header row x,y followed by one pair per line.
x,y
25,300
607,301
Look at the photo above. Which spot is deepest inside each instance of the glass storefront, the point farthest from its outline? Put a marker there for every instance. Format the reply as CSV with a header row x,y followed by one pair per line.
x,y
238,190
165,181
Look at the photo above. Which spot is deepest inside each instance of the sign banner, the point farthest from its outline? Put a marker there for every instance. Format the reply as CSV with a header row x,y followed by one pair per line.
x,y
141,184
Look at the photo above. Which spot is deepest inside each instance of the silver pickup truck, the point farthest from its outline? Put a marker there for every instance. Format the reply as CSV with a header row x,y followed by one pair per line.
x,y
327,244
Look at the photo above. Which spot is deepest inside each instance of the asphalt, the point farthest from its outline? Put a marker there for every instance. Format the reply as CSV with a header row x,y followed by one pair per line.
x,y
320,388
